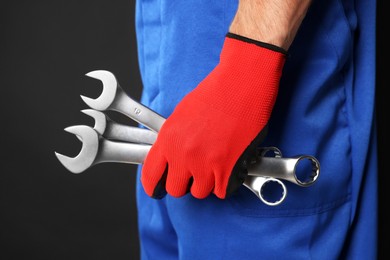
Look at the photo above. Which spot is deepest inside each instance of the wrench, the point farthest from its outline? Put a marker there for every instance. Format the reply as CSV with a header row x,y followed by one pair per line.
x,y
97,149
114,98
112,130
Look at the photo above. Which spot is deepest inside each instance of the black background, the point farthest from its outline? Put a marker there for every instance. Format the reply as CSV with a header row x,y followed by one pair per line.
x,y
46,48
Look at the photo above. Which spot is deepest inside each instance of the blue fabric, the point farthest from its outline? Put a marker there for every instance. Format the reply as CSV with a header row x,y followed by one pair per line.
x,y
325,108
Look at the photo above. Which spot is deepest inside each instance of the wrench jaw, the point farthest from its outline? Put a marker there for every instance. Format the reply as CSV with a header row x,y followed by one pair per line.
x,y
100,120
106,98
88,152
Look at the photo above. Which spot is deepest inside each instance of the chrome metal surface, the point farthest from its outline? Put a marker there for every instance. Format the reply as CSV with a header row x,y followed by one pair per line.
x,y
109,141
114,98
120,132
257,184
286,169
96,149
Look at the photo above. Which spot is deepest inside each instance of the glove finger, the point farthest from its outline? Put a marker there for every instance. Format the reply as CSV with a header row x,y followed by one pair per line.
x,y
220,183
202,187
154,173
178,182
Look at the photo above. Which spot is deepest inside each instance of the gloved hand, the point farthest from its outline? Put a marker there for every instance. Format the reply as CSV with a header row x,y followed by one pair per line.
x,y
203,146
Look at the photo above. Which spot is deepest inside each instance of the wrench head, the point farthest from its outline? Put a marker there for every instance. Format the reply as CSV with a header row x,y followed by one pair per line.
x,y
108,94
100,119
88,152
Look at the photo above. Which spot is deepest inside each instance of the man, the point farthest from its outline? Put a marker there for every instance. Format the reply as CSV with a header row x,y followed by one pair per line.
x,y
231,76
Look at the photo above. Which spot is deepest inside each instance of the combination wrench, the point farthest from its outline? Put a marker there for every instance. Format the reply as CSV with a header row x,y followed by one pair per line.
x,y
97,149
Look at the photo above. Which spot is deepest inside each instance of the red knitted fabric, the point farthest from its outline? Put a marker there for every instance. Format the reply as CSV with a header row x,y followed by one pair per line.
x,y
200,143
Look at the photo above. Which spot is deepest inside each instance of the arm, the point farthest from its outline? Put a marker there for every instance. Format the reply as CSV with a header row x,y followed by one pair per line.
x,y
204,146
275,22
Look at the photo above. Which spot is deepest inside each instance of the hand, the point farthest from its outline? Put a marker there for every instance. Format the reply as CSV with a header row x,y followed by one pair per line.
x,y
202,147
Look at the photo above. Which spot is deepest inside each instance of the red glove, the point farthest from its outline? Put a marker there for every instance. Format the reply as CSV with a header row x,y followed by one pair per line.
x,y
203,146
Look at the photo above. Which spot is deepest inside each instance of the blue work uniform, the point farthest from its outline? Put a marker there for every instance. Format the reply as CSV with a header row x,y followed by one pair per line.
x,y
325,108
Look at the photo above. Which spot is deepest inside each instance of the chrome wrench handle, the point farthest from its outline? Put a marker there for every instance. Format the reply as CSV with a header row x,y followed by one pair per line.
x,y
286,169
97,149
112,130
138,112
114,98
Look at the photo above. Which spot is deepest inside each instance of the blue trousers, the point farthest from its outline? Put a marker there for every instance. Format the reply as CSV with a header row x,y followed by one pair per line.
x,y
325,108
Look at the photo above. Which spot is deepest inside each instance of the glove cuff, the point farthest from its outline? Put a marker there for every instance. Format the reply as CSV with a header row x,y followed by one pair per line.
x,y
258,43
245,82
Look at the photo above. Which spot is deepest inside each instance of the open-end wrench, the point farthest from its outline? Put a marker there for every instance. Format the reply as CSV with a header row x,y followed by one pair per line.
x,y
114,98
97,149
112,130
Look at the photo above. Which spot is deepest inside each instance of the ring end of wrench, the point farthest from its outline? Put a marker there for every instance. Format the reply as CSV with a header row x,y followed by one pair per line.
x,y
257,184
307,180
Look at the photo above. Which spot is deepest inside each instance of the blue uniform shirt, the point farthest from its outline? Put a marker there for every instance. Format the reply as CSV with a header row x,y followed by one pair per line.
x,y
325,108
